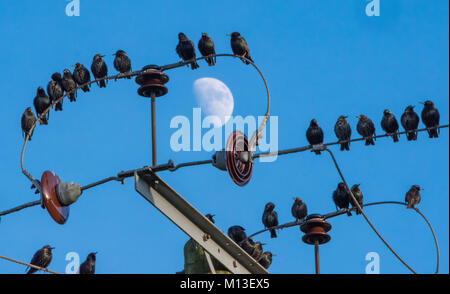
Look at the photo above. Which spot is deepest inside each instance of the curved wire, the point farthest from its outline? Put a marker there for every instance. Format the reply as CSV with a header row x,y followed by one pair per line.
x,y
29,265
365,216
341,212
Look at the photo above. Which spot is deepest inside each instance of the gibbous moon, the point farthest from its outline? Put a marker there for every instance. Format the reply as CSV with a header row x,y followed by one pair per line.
x,y
215,99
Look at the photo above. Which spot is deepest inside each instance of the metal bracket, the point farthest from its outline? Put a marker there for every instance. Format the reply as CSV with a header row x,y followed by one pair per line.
x,y
195,224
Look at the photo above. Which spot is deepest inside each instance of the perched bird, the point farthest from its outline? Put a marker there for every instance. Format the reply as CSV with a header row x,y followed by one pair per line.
x,y
99,69
358,195
81,75
210,217
258,250
240,47
430,117
41,103
266,259
88,266
55,90
270,218
41,258
314,134
237,234
410,122
341,198
366,128
122,62
299,209
28,119
343,132
254,249
206,48
69,85
389,124
186,50
412,197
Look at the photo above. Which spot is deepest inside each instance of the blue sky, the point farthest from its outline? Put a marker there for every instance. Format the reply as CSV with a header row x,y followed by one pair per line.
x,y
321,59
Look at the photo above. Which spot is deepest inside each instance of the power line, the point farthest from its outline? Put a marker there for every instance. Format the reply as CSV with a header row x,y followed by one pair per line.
x,y
29,265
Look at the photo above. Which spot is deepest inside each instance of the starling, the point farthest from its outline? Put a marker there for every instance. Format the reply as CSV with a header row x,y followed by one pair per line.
x,y
258,251
390,125
366,128
314,134
237,234
343,132
359,197
122,62
69,85
206,48
99,69
41,258
266,259
88,266
55,90
299,209
240,47
254,249
412,197
186,50
430,117
82,76
28,119
270,218
210,217
341,198
41,103
410,122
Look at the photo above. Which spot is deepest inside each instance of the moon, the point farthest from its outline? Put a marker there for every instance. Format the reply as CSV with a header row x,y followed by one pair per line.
x,y
215,99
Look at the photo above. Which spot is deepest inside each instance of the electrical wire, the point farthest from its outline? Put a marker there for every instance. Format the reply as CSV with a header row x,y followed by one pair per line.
x,y
29,265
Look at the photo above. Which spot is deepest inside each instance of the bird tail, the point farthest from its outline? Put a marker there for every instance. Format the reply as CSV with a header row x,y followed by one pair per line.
x,y
194,65
44,120
58,106
345,146
273,233
102,84
395,137
72,97
245,61
210,61
433,133
85,88
410,204
411,136
370,141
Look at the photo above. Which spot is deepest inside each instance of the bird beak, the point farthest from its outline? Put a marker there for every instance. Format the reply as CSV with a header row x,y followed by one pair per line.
x,y
52,248
73,65
422,102
358,116
229,35
274,254
102,56
421,189
95,253
345,116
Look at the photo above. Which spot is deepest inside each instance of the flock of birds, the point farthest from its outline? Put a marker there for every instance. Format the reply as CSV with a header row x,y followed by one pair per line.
x,y
366,128
342,199
81,76
43,257
186,50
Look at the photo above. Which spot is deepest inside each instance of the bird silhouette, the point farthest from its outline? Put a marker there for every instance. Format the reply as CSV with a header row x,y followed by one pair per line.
x,y
356,191
41,103
69,85
55,90
122,62
186,50
240,47
88,266
270,218
266,259
410,122
299,209
366,128
314,134
343,132
206,48
341,198
99,69
413,197
41,258
82,76
237,234
28,119
431,117
389,124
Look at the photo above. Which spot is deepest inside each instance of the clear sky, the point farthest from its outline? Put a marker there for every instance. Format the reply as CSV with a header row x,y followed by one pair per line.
x,y
321,59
